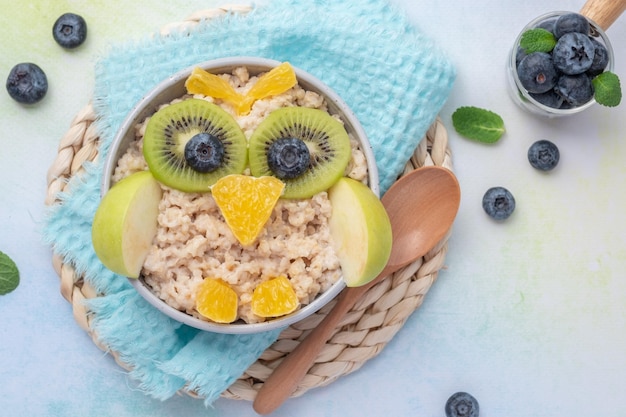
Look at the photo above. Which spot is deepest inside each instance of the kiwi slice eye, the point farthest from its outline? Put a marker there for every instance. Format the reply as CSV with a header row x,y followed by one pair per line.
x,y
193,122
325,138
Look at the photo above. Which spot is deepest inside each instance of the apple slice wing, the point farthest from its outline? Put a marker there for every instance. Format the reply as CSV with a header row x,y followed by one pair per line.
x,y
361,231
125,223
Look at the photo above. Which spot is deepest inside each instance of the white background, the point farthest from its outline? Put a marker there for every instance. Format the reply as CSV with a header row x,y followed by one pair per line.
x,y
529,315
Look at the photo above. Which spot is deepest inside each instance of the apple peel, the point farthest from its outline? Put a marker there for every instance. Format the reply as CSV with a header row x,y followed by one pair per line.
x,y
125,223
361,231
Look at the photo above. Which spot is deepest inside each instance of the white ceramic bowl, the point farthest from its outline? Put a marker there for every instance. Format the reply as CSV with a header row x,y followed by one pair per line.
x,y
173,88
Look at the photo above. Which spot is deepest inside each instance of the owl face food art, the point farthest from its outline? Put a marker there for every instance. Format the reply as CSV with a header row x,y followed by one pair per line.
x,y
243,152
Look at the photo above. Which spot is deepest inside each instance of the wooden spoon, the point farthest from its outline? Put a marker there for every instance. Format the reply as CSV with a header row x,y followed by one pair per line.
x,y
422,206
603,12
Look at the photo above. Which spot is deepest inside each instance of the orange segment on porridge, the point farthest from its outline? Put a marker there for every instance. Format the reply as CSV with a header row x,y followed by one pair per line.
x,y
216,301
247,203
273,298
276,81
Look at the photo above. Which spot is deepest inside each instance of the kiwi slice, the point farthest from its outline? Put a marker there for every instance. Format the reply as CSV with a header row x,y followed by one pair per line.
x,y
171,128
273,150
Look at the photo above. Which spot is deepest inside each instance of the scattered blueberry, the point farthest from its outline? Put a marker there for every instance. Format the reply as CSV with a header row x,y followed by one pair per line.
x,y
575,89
288,158
461,404
543,155
204,152
573,53
600,59
27,83
537,73
498,203
69,30
571,22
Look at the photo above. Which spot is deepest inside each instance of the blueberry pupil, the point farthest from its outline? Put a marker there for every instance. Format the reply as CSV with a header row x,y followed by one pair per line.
x,y
204,152
288,158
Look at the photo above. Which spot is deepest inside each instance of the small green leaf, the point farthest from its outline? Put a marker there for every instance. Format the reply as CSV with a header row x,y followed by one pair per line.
x,y
608,90
478,124
537,40
9,275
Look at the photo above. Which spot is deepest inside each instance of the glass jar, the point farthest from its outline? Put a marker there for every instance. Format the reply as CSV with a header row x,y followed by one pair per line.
x,y
522,97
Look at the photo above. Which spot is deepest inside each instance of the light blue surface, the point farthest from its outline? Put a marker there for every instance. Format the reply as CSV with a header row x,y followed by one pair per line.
x,y
529,315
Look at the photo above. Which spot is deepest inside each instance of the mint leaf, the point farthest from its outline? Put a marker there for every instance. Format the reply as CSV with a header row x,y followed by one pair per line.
x,y
537,40
478,124
9,275
608,90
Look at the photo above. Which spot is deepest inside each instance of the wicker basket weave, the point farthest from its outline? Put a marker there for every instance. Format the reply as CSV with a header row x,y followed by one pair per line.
x,y
366,329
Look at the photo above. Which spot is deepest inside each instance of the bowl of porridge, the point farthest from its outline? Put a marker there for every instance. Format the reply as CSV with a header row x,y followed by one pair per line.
x,y
195,241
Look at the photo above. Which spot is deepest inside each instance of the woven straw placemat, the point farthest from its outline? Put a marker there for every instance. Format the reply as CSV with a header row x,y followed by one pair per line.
x,y
366,329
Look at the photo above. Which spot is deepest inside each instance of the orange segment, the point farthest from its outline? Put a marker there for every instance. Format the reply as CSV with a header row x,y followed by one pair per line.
x,y
276,81
246,203
274,298
216,301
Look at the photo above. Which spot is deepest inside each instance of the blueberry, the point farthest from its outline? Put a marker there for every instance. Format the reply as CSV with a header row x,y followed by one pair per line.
x,y
600,59
498,202
573,53
27,83
543,155
550,99
69,30
571,22
519,55
461,404
204,152
536,72
575,89
288,158
547,24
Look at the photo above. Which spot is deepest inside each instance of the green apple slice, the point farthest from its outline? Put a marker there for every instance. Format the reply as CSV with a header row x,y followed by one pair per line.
x,y
125,223
361,231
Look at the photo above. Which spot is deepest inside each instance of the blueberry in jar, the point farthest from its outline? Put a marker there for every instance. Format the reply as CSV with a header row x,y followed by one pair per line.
x,y
27,83
537,73
498,203
570,23
461,404
573,53
70,30
575,89
543,155
600,59
204,152
549,99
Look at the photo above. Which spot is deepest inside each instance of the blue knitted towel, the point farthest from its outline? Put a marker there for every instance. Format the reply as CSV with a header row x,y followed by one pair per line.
x,y
391,75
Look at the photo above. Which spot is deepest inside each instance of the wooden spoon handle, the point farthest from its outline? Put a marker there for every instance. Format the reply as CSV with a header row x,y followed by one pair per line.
x,y
603,12
285,378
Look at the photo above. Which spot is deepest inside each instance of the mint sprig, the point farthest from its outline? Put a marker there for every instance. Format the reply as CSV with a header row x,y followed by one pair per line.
x,y
537,40
9,274
478,124
608,91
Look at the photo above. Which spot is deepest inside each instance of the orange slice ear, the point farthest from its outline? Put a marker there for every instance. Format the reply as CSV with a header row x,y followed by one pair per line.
x,y
247,203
